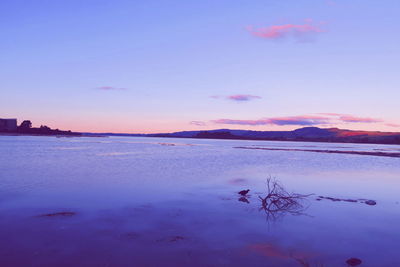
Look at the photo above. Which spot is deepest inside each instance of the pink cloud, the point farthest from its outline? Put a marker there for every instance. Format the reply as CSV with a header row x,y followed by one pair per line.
x,y
350,118
303,120
306,120
109,88
286,30
392,125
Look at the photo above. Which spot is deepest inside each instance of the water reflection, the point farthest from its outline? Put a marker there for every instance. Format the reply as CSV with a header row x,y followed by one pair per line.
x,y
279,202
244,199
286,257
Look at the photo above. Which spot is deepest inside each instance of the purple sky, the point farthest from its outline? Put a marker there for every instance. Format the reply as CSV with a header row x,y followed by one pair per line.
x,y
157,66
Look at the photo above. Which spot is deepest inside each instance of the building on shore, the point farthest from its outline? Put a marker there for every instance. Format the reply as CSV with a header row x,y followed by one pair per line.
x,y
8,125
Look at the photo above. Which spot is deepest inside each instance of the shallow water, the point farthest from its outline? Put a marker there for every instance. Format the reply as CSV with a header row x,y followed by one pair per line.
x,y
174,202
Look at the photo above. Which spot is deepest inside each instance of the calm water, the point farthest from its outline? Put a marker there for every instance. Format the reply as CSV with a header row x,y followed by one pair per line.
x,y
174,202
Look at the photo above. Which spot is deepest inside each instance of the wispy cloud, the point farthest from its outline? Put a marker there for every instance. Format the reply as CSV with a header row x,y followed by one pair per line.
x,y
198,123
306,120
238,98
297,31
243,97
109,88
303,120
392,125
345,118
241,122
300,120
350,118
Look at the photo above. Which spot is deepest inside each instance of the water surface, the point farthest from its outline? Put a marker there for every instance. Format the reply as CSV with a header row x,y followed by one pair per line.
x,y
174,202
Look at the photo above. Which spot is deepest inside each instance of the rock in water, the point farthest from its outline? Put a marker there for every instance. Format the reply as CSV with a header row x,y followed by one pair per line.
x,y
353,262
59,214
370,202
244,192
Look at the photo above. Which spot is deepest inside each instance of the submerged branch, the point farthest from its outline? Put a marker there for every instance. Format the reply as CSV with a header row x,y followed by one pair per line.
x,y
279,202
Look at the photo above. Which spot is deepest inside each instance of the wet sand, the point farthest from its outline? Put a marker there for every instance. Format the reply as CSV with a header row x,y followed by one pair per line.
x,y
366,153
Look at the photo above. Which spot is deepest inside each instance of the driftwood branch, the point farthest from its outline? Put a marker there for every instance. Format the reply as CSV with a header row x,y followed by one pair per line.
x,y
279,202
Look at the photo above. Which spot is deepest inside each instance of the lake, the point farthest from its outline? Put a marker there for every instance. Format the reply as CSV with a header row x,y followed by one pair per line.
x,y
131,201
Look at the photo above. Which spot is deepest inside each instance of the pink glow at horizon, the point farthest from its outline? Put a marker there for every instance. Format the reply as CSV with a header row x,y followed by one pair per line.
x,y
155,124
114,126
174,126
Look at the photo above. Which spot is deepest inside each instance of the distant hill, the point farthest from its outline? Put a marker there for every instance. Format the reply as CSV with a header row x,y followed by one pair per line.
x,y
309,134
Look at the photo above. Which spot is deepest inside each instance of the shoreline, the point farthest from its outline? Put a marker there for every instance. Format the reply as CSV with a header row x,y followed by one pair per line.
x,y
364,153
55,135
195,138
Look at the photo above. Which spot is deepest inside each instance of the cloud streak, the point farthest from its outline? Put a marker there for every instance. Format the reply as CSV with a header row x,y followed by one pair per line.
x,y
350,118
297,31
392,125
109,88
243,97
303,120
306,120
238,97
198,123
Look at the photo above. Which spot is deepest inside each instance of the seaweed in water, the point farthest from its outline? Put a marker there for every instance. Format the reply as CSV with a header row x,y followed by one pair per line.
x,y
59,214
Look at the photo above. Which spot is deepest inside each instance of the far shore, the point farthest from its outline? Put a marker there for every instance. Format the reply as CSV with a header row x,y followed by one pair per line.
x,y
55,135
191,137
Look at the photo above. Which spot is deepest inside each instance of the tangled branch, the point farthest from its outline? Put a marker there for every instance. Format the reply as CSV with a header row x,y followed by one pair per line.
x,y
279,202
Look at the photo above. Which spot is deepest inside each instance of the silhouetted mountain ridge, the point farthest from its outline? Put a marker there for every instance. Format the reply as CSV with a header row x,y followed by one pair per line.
x,y
312,134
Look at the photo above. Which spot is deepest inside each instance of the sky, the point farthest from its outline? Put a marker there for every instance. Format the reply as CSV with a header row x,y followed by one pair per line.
x,y
168,65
